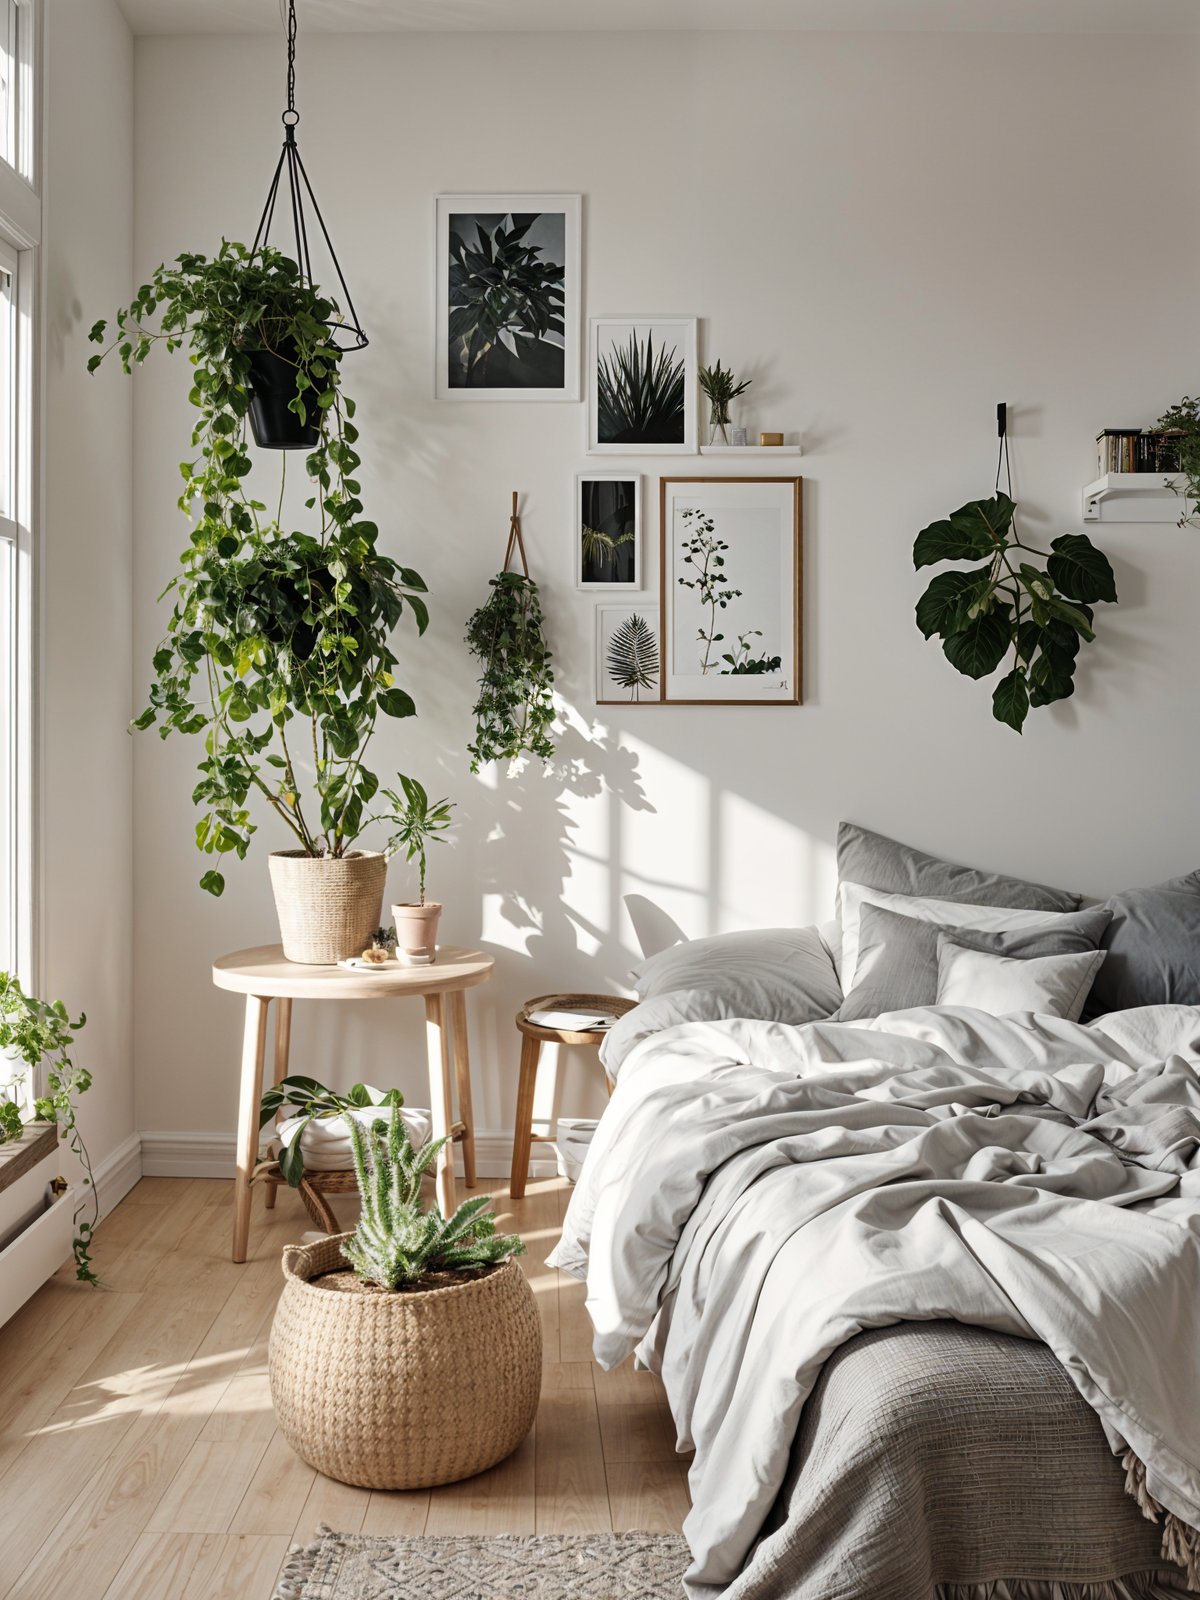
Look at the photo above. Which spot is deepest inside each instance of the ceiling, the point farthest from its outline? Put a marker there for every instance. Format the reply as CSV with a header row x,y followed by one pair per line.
x,y
570,16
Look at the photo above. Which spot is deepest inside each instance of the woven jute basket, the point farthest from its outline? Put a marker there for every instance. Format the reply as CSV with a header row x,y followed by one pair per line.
x,y
328,906
404,1390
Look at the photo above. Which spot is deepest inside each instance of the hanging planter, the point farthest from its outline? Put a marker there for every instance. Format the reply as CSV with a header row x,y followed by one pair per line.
x,y
272,384
515,709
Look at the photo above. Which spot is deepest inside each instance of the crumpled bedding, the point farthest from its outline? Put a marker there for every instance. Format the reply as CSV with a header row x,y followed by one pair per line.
x,y
758,1195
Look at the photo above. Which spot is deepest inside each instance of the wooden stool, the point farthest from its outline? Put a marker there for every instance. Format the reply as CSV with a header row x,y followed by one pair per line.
x,y
533,1037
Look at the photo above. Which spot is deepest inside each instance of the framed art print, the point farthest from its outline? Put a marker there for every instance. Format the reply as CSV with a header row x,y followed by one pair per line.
x,y
627,655
642,386
507,316
730,553
608,530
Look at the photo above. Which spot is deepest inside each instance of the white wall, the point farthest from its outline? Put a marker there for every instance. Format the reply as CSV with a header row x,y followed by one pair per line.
x,y
86,911
891,233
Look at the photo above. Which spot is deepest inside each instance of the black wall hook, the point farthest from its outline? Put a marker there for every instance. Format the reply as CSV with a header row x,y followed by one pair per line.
x,y
1002,420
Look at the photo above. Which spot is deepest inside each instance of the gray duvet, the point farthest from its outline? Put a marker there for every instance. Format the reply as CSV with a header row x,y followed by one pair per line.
x,y
759,1196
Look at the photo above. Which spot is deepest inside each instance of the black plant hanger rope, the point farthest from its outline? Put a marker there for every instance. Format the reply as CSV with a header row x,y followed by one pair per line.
x,y
347,325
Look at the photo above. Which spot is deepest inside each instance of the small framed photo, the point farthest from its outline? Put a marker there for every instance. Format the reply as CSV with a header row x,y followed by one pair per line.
x,y
731,552
642,386
608,530
627,656
508,301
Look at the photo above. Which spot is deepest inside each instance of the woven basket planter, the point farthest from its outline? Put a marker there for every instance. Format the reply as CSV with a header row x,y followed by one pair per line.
x,y
405,1390
328,906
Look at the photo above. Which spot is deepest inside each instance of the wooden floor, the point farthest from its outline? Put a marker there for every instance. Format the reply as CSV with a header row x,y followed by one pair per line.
x,y
139,1458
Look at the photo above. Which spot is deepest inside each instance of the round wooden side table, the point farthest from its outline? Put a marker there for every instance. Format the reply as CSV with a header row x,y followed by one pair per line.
x,y
263,975
533,1037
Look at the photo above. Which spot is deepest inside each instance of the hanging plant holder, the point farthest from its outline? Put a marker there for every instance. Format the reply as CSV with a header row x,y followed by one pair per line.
x,y
515,709
273,372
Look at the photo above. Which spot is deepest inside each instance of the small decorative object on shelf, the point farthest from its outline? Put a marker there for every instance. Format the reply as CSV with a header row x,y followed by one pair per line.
x,y
1041,613
768,440
515,709
39,1033
719,385
376,1373
738,438
418,823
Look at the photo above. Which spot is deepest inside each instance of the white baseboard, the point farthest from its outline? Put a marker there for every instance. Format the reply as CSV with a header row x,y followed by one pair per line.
x,y
116,1175
212,1155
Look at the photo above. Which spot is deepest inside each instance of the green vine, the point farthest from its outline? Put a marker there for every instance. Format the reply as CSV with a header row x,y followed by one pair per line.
x,y
515,709
1182,421
276,650
40,1033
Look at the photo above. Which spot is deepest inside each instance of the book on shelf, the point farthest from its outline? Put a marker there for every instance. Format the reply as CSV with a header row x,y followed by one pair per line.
x,y
1136,450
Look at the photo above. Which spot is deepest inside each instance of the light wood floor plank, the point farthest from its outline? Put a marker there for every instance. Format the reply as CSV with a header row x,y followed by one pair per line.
x,y
275,1497
236,1567
337,1505
207,1490
648,1496
157,1567
497,1501
571,1491
397,1512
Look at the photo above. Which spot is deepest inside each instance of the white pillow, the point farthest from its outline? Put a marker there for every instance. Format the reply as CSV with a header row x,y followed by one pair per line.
x,y
952,913
1053,986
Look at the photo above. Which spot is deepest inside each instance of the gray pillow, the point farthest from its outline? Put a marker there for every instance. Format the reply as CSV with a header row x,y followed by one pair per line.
x,y
882,863
776,974
898,956
1153,945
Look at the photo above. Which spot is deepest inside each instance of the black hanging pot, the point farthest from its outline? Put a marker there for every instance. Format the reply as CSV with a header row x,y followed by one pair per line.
x,y
272,389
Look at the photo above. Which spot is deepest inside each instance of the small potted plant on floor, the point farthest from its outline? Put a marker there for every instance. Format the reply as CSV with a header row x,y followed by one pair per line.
x,y
417,824
277,651
408,1353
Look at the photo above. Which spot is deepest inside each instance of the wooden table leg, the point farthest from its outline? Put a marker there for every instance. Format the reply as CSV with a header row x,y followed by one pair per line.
x,y
254,1048
437,1044
283,1047
531,1050
462,1081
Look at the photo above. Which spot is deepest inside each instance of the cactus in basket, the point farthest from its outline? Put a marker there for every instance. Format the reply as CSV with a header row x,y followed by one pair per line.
x,y
397,1242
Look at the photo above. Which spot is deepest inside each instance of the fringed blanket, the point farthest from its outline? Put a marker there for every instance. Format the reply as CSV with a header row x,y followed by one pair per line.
x,y
758,1195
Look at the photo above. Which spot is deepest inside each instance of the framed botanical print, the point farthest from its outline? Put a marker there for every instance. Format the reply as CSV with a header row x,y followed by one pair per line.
x,y
508,299
730,551
627,655
608,530
642,386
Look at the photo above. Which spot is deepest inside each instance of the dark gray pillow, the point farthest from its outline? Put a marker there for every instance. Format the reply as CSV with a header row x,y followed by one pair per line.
x,y
882,863
777,974
1153,944
898,955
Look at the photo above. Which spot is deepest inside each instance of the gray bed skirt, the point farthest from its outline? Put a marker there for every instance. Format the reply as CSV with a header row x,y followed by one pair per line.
x,y
936,1461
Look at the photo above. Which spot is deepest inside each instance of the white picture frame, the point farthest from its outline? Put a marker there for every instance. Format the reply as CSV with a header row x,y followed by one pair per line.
x,y
611,504
552,224
609,691
613,340
731,569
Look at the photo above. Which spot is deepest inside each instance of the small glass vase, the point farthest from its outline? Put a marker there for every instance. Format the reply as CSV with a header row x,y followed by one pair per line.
x,y
718,427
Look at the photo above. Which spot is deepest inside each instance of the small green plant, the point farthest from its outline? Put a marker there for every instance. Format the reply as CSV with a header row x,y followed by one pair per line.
x,y
397,1242
417,823
719,386
640,395
515,708
743,663
1182,421
40,1033
632,657
704,552
310,1099
601,547
1040,613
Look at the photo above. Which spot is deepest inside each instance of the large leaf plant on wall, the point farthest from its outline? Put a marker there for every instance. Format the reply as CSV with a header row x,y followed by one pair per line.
x,y
1037,610
277,649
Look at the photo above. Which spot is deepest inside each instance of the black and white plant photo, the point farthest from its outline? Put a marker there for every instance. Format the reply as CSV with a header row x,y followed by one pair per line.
x,y
730,554
642,385
508,313
628,658
608,520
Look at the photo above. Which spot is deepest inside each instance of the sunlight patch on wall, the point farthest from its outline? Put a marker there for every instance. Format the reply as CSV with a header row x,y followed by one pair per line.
x,y
769,873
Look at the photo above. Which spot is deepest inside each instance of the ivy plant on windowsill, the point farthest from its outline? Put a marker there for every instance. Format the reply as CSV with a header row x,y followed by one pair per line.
x,y
277,649
36,1033
1040,613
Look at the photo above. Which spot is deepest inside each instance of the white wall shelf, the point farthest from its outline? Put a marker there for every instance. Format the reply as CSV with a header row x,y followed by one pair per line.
x,y
749,449
1133,497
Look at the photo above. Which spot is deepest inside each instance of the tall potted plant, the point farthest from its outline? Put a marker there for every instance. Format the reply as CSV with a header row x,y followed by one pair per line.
x,y
277,647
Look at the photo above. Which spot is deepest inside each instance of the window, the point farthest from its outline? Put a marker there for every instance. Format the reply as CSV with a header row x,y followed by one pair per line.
x,y
16,78
9,610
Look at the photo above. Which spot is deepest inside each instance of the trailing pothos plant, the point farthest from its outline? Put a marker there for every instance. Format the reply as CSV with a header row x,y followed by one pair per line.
x,y
1038,612
40,1034
515,709
276,650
